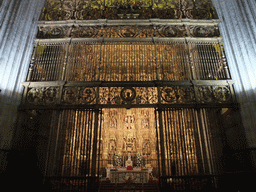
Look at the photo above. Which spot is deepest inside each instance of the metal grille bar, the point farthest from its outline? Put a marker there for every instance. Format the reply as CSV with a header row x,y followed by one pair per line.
x,y
82,62
207,61
49,60
173,61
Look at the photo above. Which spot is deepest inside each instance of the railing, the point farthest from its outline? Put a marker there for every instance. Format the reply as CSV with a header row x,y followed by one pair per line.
x,y
130,181
189,183
71,184
231,182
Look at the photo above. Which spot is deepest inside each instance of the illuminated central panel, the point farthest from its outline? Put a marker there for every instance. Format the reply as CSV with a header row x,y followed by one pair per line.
x,y
129,131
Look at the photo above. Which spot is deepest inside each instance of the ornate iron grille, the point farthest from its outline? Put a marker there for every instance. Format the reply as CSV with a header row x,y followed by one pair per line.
x,y
141,94
173,61
82,62
129,60
72,143
49,62
189,140
112,28
207,61
72,158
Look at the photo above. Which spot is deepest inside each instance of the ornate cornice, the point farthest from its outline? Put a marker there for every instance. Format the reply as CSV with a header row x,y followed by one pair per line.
x,y
130,28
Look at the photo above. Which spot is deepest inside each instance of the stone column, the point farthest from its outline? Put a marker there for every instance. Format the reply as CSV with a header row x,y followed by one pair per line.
x,y
17,31
237,27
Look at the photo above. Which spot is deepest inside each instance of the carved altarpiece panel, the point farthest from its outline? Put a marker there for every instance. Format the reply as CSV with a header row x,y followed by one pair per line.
x,y
128,131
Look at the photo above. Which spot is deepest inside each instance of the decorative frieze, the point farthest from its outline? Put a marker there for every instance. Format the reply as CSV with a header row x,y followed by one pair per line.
x,y
82,93
121,31
128,95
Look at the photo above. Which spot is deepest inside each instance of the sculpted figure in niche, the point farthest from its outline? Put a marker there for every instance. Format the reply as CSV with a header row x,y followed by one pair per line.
x,y
145,123
112,145
146,147
129,122
113,123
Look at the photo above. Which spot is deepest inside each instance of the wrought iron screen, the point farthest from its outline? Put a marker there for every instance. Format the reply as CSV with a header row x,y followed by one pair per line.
x,y
73,149
72,143
188,142
120,60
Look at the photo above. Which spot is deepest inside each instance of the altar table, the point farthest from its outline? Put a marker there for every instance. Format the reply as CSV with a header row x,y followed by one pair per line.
x,y
136,176
121,174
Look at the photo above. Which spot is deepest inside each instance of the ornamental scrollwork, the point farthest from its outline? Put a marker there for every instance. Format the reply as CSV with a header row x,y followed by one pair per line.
x,y
172,31
128,31
109,95
214,94
57,10
205,94
178,94
128,95
203,31
53,32
84,31
79,95
198,9
222,94
127,9
171,93
146,95
43,95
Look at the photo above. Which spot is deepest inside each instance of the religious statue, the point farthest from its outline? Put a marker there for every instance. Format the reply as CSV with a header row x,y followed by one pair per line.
x,y
129,161
129,143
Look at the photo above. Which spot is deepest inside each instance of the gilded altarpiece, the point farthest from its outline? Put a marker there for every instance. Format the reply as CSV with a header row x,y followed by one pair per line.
x,y
127,131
